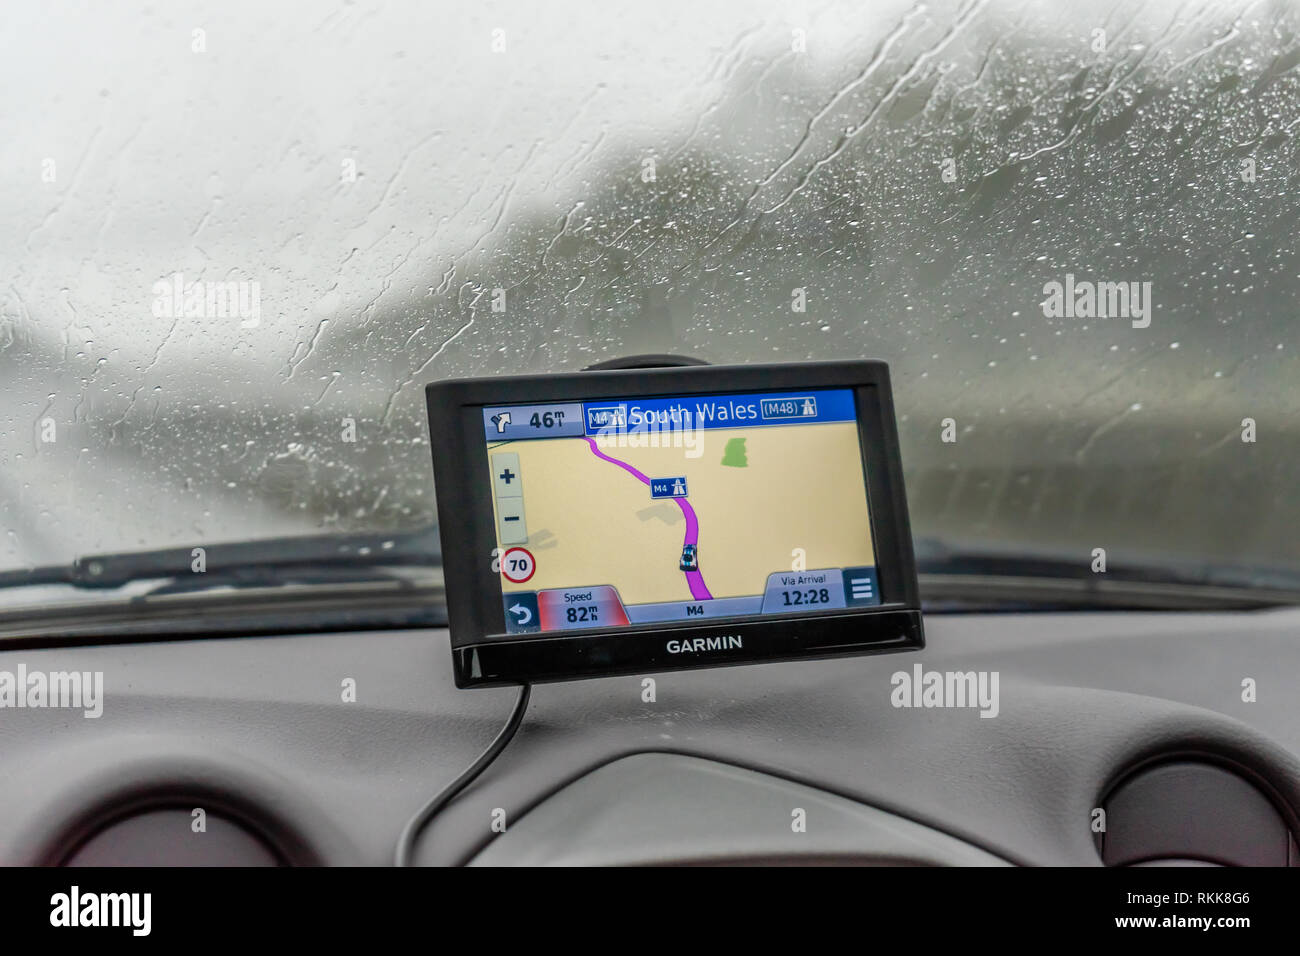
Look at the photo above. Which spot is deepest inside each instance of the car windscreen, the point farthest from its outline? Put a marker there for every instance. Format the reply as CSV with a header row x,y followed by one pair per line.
x,y
242,237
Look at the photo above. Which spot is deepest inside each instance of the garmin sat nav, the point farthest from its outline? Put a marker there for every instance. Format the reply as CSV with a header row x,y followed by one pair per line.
x,y
617,521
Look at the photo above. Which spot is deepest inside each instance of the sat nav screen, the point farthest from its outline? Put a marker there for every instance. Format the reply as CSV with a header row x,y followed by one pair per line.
x,y
679,509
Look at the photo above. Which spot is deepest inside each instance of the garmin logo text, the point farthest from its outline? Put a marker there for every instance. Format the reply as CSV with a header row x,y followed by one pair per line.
x,y
75,908
696,644
946,689
56,689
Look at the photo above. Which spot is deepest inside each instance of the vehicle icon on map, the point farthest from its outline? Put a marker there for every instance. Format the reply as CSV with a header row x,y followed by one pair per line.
x,y
690,558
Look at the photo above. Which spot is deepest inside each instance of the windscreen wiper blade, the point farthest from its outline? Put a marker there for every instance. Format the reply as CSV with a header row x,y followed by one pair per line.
x,y
300,559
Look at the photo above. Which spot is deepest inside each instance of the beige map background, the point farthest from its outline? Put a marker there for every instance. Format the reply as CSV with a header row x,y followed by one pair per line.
x,y
590,522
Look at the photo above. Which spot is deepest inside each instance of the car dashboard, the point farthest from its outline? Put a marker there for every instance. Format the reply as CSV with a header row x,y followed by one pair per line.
x,y
1118,739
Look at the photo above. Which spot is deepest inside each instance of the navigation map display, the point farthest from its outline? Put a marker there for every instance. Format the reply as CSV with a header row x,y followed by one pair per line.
x,y
610,513
643,518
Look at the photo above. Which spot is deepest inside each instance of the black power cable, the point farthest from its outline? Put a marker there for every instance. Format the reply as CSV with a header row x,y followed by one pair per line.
x,y
411,832
417,823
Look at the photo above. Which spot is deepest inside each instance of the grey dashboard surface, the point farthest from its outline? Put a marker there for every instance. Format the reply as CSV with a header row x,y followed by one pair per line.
x,y
259,728
657,808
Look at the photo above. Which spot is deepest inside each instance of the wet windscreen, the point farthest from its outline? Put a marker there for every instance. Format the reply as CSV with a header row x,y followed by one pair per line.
x,y
240,238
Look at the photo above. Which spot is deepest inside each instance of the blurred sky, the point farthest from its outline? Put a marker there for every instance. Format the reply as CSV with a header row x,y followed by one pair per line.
x,y
227,163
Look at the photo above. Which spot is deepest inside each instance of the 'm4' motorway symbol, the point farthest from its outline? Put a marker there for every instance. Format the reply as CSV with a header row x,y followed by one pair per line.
x,y
668,487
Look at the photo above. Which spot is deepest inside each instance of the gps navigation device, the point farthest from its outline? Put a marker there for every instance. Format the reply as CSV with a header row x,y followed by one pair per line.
x,y
621,521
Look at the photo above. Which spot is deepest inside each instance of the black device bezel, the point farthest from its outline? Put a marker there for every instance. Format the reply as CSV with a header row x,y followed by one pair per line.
x,y
485,655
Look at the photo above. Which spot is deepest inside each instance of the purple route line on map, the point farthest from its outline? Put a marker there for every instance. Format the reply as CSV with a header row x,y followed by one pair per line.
x,y
699,590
